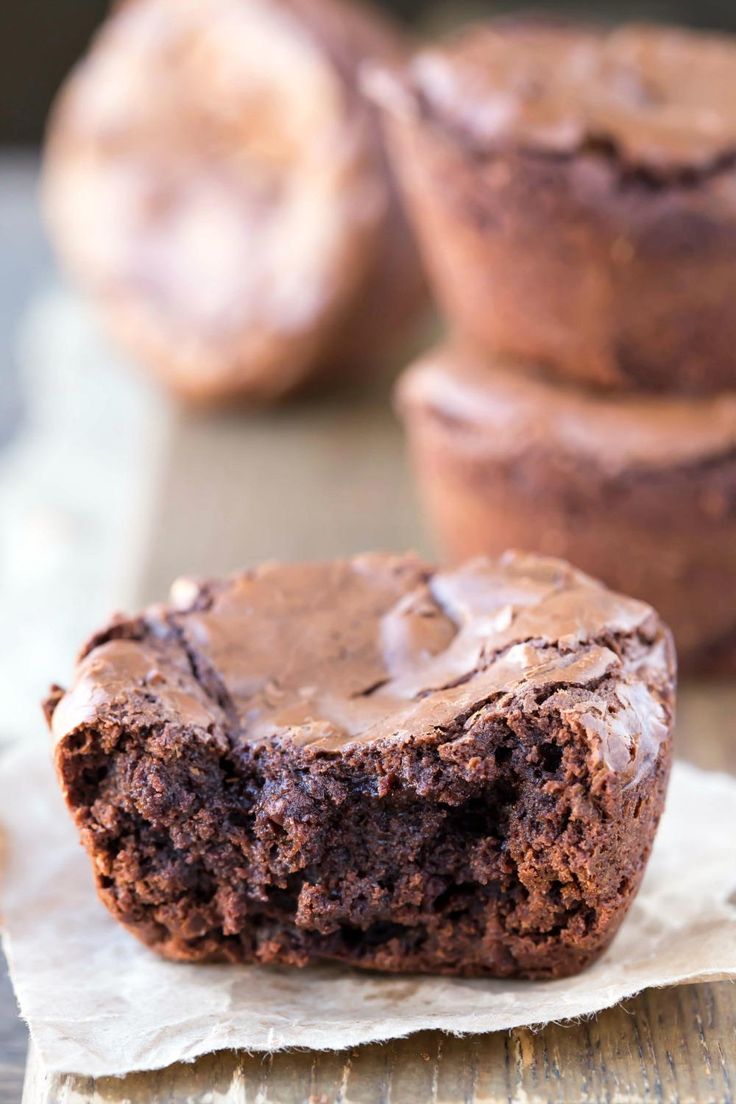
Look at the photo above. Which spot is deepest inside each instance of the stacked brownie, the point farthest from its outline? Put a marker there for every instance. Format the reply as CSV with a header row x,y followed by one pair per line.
x,y
574,193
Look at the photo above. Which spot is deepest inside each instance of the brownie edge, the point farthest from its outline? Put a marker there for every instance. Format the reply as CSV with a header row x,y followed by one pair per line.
x,y
372,762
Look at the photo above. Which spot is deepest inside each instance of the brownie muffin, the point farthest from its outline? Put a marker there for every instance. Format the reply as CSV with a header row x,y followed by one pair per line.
x,y
574,190
368,761
217,183
640,491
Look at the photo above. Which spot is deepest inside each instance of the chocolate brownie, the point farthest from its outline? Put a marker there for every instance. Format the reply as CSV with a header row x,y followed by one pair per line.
x,y
217,183
638,490
574,190
455,772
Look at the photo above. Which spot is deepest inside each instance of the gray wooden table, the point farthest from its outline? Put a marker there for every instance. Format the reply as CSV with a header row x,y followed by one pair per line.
x,y
25,266
13,1042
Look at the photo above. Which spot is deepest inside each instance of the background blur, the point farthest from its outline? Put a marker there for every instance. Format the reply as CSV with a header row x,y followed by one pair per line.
x,y
42,38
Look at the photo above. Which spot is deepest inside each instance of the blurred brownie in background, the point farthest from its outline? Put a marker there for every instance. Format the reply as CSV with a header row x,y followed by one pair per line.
x,y
638,490
217,183
574,190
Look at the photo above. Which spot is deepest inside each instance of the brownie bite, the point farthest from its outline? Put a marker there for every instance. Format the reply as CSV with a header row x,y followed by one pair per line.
x,y
574,190
639,490
373,762
217,184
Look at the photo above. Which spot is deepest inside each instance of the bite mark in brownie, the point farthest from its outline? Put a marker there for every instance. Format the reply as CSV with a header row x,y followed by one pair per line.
x,y
368,761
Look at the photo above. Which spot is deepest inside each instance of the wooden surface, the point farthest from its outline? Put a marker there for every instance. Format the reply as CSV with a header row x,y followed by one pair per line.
x,y
24,268
13,1042
307,480
660,1047
315,480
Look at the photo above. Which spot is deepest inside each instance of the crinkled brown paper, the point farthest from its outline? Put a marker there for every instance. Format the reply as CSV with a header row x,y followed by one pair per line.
x,y
97,1002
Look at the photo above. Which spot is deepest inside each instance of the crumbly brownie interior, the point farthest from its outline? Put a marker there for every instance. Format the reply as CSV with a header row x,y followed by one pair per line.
x,y
504,834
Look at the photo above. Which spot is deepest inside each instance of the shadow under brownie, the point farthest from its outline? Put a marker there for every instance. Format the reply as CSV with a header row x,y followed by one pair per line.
x,y
372,762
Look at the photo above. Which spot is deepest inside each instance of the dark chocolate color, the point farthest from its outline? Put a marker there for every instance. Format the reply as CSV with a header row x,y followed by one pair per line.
x,y
368,761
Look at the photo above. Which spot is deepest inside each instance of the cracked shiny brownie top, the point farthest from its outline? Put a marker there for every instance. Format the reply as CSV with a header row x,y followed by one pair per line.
x,y
372,762
379,647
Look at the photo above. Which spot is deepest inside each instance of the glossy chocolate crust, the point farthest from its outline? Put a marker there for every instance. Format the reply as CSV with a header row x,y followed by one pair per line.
x,y
639,491
218,185
373,762
586,224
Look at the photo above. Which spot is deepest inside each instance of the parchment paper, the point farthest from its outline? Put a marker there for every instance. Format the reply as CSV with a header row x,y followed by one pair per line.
x,y
97,1002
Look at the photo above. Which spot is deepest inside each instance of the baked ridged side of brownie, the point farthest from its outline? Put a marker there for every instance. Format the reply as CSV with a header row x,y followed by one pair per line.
x,y
641,490
469,782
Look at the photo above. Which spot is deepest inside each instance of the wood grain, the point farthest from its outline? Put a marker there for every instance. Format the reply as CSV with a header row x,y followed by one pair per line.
x,y
666,1045
304,481
13,1041
319,480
